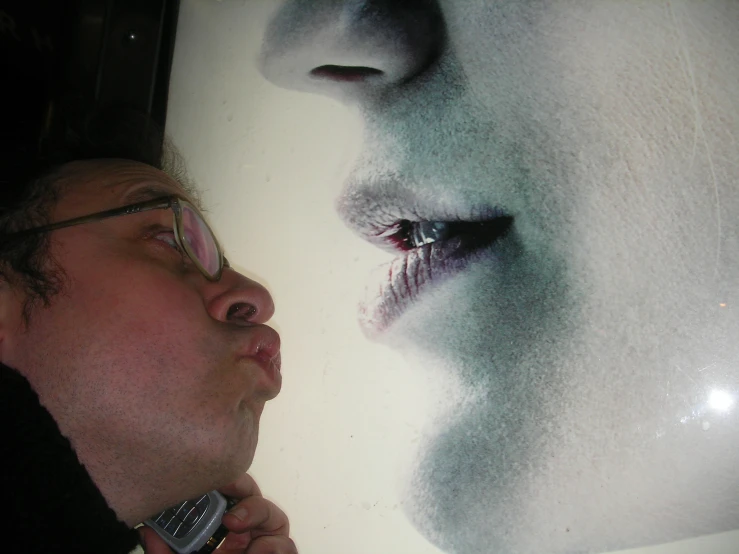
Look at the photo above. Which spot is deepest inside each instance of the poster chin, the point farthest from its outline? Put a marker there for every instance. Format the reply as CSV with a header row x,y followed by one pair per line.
x,y
501,240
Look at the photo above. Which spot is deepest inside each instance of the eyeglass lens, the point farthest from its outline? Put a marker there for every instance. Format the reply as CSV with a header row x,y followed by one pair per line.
x,y
200,239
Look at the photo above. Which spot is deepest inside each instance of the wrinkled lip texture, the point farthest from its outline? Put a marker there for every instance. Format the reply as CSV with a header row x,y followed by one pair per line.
x,y
410,275
385,220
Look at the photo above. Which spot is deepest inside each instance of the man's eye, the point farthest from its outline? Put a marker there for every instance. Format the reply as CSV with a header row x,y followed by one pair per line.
x,y
168,237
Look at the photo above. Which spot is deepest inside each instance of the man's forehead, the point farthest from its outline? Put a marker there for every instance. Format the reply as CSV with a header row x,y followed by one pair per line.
x,y
110,183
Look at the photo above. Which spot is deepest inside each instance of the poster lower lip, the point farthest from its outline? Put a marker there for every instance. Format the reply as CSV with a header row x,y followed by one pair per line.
x,y
406,279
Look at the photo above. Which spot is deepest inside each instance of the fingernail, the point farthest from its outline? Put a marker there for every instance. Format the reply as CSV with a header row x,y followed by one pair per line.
x,y
240,512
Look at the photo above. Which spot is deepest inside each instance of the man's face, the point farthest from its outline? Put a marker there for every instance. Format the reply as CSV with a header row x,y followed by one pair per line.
x,y
595,339
141,359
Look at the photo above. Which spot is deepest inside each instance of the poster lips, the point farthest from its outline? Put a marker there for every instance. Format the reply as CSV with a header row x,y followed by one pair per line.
x,y
403,281
434,242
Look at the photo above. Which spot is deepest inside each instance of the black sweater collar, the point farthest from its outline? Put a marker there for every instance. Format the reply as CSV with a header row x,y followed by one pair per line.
x,y
53,504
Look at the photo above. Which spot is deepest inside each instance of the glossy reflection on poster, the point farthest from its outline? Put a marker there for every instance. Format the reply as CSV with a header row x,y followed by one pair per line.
x,y
503,244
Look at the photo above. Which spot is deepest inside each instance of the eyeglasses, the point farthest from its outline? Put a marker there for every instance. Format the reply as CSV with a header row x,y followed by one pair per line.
x,y
191,232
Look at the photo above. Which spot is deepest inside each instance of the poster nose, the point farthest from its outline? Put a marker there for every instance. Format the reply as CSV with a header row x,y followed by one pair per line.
x,y
347,50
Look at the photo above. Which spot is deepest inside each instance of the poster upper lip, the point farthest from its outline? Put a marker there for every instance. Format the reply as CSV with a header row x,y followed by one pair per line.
x,y
387,216
374,210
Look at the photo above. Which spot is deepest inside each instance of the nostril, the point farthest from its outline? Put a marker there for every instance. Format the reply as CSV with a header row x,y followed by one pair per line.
x,y
241,310
345,73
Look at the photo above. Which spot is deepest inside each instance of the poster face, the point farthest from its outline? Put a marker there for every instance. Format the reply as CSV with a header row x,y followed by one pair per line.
x,y
503,244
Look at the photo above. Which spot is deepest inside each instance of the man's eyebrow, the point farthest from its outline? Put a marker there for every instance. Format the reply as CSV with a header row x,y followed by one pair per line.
x,y
149,192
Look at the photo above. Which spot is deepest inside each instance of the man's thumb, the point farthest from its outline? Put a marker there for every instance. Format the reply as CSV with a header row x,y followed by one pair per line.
x,y
153,543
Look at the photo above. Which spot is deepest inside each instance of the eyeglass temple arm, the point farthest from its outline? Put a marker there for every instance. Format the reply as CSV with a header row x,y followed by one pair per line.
x,y
123,210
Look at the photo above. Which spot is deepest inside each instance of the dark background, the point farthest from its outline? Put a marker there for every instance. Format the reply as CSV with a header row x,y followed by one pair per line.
x,y
74,74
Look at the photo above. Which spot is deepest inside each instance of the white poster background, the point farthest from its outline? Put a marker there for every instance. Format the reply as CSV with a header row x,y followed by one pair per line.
x,y
334,446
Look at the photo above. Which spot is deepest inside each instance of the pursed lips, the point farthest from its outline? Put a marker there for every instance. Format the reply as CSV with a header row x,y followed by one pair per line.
x,y
434,245
263,348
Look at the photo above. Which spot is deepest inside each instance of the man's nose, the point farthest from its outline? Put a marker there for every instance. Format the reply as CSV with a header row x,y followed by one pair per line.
x,y
238,299
351,50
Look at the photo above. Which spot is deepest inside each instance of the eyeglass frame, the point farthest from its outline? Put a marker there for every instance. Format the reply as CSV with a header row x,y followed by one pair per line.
x,y
161,203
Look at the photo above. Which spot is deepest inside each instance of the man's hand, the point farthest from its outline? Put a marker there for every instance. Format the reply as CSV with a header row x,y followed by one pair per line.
x,y
256,525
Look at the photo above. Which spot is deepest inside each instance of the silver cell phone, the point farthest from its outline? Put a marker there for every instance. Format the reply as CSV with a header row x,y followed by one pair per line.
x,y
194,526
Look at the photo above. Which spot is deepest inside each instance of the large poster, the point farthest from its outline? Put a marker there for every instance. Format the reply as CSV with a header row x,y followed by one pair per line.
x,y
503,244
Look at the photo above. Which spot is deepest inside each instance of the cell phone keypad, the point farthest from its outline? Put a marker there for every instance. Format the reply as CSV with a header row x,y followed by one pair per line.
x,y
179,520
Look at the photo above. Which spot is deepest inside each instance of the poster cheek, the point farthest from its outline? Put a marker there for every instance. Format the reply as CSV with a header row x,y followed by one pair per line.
x,y
503,264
